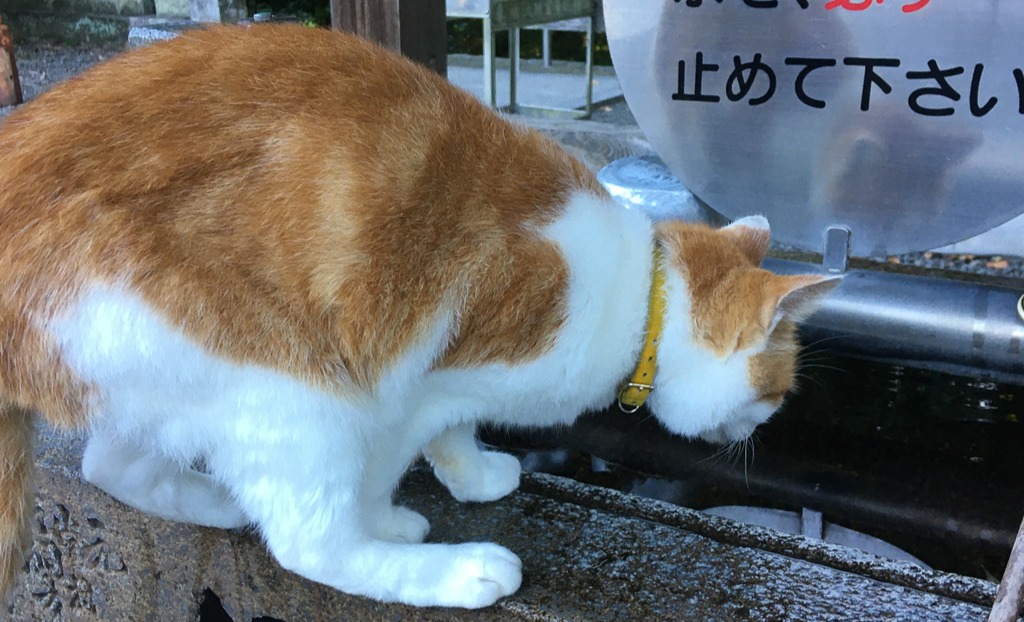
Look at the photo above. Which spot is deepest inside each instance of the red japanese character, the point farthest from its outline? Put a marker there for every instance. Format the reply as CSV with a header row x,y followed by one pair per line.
x,y
851,5
917,6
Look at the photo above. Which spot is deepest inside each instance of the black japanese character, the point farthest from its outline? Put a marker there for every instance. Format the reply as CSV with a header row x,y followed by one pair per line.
x,y
870,77
984,109
1018,75
736,87
944,89
771,4
809,65
698,81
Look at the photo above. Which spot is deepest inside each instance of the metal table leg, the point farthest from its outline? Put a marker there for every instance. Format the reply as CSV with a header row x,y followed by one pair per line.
x,y
589,105
513,69
490,70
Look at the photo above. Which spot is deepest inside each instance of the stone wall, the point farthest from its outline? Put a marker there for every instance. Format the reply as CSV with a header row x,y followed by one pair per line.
x,y
173,8
81,7
217,10
69,29
102,22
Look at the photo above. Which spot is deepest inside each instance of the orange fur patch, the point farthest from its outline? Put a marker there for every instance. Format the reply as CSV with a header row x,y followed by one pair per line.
x,y
727,289
773,372
16,462
289,197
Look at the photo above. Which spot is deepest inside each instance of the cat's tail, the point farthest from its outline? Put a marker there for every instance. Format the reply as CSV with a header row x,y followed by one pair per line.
x,y
16,467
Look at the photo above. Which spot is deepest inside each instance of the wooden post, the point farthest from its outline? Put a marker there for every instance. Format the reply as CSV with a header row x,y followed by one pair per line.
x,y
10,86
415,28
1011,591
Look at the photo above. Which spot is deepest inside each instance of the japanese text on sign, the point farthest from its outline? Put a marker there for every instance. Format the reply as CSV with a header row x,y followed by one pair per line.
x,y
755,81
850,5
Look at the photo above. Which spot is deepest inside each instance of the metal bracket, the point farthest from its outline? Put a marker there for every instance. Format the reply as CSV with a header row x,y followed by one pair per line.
x,y
836,254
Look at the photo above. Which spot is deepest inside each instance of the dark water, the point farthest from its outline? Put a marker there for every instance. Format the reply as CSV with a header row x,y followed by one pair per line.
x,y
929,462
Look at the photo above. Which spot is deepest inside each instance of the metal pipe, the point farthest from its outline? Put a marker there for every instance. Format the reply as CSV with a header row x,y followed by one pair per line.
x,y
952,326
970,329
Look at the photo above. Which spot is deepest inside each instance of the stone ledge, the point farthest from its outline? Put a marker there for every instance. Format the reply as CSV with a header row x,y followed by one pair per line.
x,y
588,553
81,7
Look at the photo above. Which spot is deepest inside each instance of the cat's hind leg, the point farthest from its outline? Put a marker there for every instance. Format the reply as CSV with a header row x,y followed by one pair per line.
x,y
157,485
470,473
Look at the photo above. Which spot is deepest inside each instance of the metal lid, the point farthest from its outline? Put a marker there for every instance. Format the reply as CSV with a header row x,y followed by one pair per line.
x,y
644,183
901,121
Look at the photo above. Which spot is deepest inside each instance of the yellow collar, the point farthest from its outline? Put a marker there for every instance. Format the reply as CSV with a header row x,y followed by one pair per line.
x,y
634,392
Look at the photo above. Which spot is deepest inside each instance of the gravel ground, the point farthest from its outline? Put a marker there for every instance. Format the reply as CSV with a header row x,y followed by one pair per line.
x,y
42,65
994,265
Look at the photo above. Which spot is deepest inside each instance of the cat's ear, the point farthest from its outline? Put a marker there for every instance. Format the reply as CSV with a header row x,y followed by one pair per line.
x,y
795,297
751,235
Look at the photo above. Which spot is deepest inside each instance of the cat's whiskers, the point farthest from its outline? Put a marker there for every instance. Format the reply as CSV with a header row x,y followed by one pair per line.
x,y
647,416
817,355
749,444
736,452
718,454
746,446
806,361
808,347
802,376
746,475
814,357
828,367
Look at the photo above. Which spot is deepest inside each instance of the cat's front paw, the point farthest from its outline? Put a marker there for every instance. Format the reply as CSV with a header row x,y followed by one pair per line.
x,y
492,477
400,524
479,575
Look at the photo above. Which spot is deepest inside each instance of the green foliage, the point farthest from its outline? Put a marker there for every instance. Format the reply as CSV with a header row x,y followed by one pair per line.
x,y
465,36
309,12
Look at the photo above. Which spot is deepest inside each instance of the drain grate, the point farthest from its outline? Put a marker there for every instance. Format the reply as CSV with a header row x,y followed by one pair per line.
x,y
211,609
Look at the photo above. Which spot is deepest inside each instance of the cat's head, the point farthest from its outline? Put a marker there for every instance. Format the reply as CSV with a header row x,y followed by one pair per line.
x,y
727,356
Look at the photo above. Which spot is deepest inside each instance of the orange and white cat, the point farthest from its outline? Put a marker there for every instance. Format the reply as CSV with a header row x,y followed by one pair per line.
x,y
306,261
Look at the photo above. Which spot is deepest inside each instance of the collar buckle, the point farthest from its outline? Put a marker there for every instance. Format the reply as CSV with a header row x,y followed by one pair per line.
x,y
628,405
